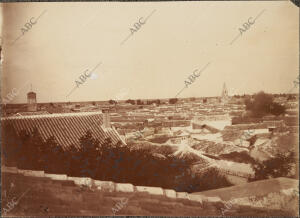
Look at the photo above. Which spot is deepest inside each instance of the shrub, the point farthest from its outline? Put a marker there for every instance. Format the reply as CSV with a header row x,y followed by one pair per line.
x,y
160,140
210,179
240,157
130,101
110,102
279,166
173,100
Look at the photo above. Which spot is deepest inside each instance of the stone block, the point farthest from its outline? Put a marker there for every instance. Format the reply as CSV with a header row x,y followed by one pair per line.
x,y
81,181
105,185
124,187
183,195
150,190
198,198
21,171
213,199
56,176
170,193
34,173
9,169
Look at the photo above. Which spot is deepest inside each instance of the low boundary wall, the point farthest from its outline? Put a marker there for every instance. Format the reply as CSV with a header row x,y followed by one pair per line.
x,y
110,186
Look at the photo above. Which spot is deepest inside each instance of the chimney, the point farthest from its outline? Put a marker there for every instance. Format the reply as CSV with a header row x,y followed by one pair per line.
x,y
106,118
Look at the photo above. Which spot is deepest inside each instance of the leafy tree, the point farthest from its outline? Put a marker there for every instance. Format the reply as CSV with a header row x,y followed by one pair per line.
x,y
73,159
139,102
263,105
31,149
278,166
291,97
37,147
112,102
277,109
10,146
89,152
130,101
24,161
153,101
173,100
52,156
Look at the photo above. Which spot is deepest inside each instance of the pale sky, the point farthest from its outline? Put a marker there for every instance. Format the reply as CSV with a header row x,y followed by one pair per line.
x,y
178,38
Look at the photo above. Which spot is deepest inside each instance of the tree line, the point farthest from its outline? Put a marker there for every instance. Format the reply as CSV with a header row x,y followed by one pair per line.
x,y
104,161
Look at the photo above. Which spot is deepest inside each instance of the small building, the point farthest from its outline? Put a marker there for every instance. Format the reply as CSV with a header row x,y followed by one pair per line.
x,y
106,118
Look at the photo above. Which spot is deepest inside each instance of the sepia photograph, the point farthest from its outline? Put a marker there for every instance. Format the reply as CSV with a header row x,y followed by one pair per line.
x,y
170,108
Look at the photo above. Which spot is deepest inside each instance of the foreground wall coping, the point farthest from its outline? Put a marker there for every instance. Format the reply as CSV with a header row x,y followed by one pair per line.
x,y
106,185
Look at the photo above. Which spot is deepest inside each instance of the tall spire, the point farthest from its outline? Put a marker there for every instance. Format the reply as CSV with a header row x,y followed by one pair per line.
x,y
224,95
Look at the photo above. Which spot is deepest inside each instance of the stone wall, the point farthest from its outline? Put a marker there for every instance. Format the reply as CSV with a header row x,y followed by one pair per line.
x,y
287,199
254,199
110,186
278,193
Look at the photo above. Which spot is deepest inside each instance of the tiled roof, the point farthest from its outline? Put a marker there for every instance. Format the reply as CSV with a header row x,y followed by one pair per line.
x,y
66,128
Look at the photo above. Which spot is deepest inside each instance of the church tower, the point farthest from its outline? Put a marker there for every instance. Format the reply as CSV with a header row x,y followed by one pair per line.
x,y
224,96
31,101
